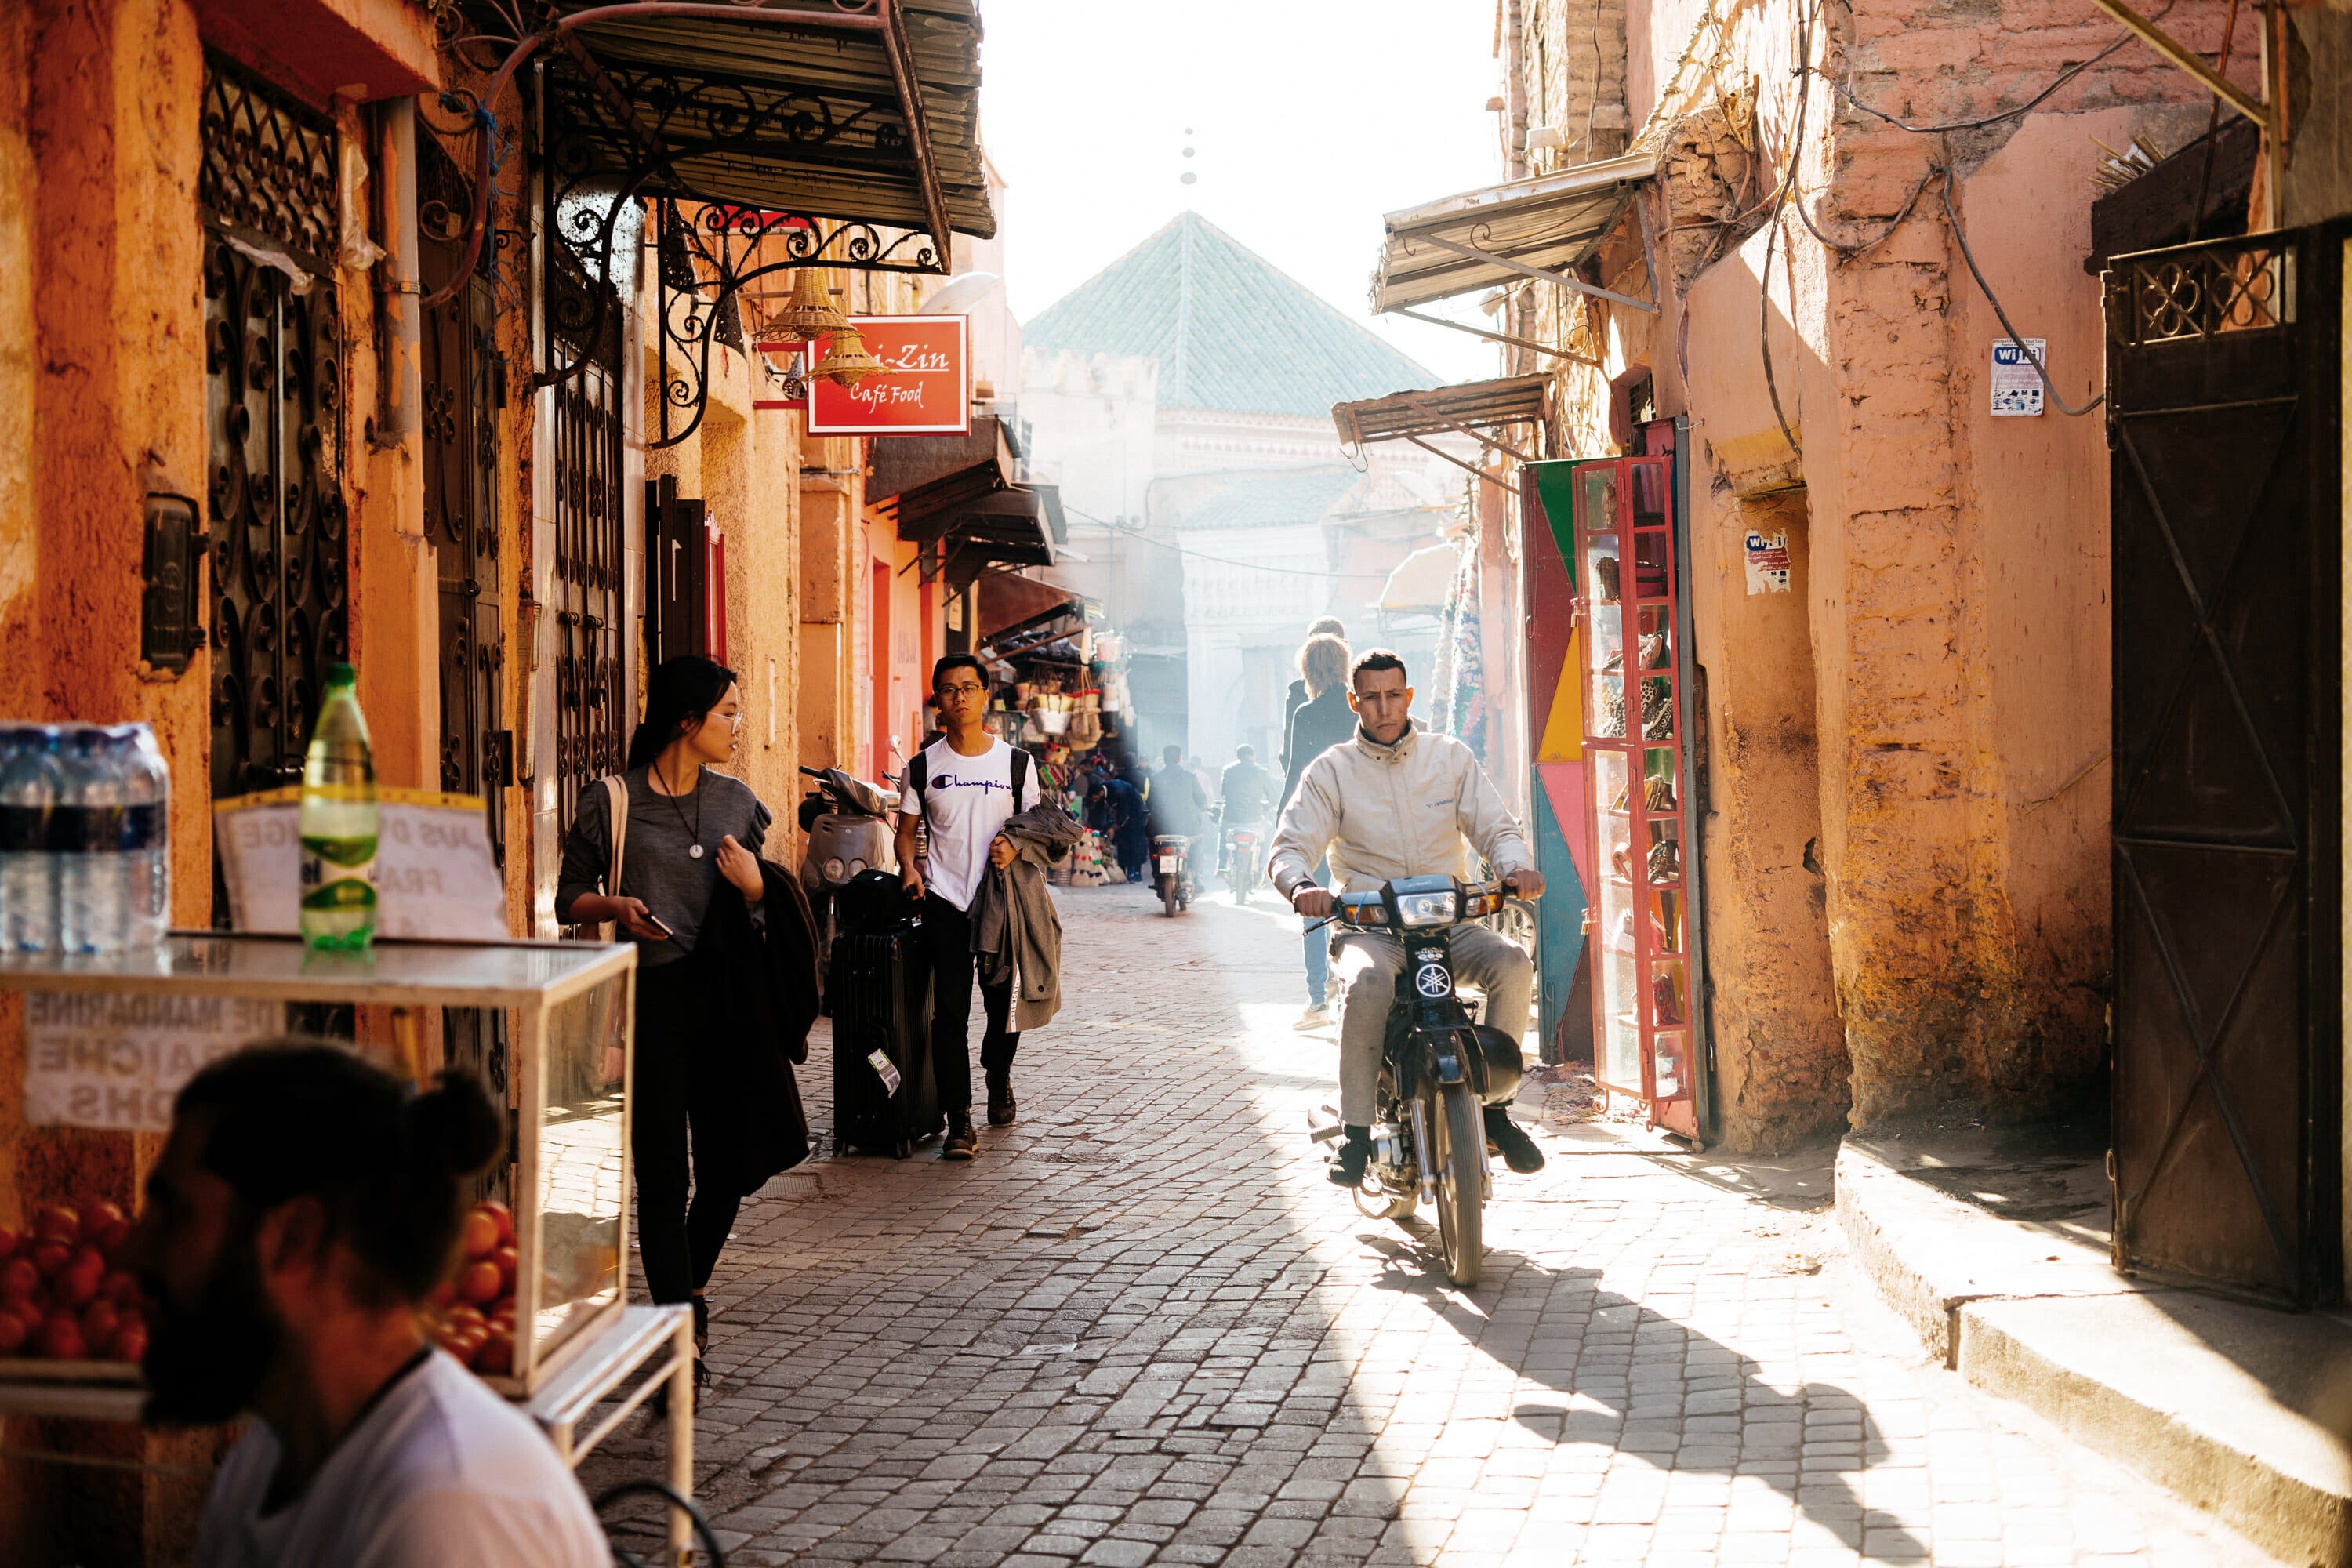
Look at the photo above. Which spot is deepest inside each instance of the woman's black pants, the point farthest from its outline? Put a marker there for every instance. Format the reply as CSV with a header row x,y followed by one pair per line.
x,y
676,1090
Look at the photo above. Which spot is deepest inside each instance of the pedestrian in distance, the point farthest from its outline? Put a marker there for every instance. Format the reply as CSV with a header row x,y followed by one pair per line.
x,y
727,984
1115,811
964,786
1297,695
1317,724
1176,803
305,1207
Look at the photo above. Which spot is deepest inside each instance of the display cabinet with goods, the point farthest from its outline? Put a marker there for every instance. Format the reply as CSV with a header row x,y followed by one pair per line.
x,y
109,1040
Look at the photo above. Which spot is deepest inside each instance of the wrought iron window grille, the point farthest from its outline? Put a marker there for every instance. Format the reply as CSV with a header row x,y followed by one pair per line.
x,y
2244,283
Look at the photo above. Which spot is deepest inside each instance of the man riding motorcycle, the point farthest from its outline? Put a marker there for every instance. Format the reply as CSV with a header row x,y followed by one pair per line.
x,y
1390,801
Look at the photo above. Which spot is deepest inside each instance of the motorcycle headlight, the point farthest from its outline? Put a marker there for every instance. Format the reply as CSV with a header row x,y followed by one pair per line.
x,y
856,866
833,868
1425,908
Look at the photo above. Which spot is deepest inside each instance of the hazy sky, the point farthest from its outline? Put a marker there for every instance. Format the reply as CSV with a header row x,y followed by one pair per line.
x,y
1309,119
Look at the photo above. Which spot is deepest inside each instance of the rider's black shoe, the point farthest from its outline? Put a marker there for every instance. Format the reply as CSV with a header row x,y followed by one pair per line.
x,y
1519,1151
1348,1165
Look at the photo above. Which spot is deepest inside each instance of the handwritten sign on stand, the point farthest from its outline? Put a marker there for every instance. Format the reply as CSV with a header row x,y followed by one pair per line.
x,y
434,873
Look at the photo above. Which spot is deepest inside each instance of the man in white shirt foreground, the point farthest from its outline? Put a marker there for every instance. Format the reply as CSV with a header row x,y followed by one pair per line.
x,y
306,1204
1392,801
963,784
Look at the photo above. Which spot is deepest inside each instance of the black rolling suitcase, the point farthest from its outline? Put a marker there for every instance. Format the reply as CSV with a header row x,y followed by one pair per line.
x,y
883,1098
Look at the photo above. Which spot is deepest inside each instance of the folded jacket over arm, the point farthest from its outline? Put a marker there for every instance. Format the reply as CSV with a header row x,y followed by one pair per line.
x,y
1015,927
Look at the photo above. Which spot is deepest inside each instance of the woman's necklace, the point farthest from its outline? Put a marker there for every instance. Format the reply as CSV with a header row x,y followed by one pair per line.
x,y
694,849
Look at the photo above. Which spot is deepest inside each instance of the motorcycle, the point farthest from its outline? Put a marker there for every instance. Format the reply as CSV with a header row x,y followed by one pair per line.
x,y
848,824
1244,859
1438,1070
1172,870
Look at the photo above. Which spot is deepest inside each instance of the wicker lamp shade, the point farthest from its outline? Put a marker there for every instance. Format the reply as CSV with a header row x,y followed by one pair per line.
x,y
846,361
808,315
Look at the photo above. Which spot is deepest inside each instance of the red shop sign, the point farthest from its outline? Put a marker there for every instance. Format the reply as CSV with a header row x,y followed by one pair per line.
x,y
927,391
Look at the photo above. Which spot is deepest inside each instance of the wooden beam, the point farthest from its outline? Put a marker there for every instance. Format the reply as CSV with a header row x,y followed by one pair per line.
x,y
2189,61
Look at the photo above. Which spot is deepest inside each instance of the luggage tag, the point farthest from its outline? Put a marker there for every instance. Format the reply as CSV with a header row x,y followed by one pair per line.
x,y
885,1071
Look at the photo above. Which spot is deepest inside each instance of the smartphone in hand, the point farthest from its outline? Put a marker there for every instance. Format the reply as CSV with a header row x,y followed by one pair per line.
x,y
655,921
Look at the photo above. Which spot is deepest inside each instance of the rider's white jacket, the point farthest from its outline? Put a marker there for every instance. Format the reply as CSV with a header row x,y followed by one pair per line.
x,y
1404,810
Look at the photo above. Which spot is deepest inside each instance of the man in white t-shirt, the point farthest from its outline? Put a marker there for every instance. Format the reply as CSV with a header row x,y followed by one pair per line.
x,y
305,1205
960,789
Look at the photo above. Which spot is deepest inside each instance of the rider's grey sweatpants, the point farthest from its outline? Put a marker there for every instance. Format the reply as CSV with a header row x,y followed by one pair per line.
x,y
1365,968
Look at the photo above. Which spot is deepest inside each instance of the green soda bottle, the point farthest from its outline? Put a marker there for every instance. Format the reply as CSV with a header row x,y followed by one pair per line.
x,y
338,824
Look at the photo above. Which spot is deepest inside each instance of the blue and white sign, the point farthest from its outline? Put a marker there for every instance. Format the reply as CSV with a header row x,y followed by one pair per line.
x,y
2016,384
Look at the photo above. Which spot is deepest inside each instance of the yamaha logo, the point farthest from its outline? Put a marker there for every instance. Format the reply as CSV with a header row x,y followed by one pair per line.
x,y
1431,980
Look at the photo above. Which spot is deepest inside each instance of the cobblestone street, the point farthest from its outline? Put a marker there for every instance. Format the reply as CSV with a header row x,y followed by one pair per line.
x,y
1141,1328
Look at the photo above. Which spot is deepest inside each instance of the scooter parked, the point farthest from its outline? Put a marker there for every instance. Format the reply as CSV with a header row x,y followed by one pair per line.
x,y
848,824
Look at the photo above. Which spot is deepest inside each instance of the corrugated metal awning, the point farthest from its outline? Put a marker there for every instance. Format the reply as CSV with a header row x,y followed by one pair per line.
x,y
1470,409
1543,227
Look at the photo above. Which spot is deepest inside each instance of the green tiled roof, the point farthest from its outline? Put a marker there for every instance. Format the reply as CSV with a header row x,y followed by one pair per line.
x,y
1231,331
1274,498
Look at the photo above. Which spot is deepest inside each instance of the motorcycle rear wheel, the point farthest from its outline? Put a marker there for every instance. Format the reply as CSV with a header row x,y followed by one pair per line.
x,y
1168,896
1460,1136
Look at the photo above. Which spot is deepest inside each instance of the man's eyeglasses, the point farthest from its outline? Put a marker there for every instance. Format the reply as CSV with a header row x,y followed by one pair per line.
x,y
960,690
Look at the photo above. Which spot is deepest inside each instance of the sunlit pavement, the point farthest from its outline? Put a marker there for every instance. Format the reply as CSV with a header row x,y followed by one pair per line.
x,y
1141,1328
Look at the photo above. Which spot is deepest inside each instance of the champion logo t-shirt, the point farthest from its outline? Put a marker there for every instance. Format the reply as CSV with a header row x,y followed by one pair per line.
x,y
966,800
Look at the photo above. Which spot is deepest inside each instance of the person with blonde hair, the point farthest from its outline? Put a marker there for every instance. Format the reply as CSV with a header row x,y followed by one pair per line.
x,y
1320,722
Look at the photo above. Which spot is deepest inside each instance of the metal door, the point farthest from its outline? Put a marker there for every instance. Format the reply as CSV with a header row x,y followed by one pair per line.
x,y
1635,654
589,716
273,417
460,374
2222,421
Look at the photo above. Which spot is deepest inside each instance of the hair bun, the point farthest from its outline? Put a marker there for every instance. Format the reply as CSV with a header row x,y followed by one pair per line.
x,y
453,1127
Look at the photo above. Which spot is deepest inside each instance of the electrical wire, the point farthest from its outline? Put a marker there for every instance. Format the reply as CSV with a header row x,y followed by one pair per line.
x,y
1960,234
1788,186
1220,560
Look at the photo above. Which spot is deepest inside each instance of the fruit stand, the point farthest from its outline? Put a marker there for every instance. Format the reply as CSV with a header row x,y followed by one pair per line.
x,y
538,1307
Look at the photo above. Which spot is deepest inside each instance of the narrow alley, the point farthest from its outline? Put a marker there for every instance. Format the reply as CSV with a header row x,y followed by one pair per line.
x,y
1141,1328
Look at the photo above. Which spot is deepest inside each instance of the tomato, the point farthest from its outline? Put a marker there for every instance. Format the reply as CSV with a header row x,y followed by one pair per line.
x,y
61,1338
465,1315
444,1293
121,1287
495,1358
479,1282
77,1283
19,1278
130,1341
504,1256
99,1320
503,1217
9,1240
12,1334
58,1223
102,1223
481,1234
50,1256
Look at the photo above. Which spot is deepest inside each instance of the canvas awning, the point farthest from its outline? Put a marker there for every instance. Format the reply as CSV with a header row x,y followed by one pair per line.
x,y
1541,227
1422,581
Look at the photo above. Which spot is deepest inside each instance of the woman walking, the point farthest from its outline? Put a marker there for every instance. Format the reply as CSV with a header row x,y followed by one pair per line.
x,y
1323,720
726,971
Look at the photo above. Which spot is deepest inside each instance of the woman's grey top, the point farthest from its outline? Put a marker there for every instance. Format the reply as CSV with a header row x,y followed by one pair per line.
x,y
656,864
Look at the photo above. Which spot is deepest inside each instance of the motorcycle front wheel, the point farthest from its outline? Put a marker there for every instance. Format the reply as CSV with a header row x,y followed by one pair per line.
x,y
1460,1136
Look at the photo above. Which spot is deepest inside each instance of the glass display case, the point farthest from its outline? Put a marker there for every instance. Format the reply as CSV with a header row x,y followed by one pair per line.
x,y
1645,985
547,1025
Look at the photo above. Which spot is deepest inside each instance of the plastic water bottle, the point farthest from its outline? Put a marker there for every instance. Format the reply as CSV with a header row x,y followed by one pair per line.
x,y
31,780
146,838
338,824
88,840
